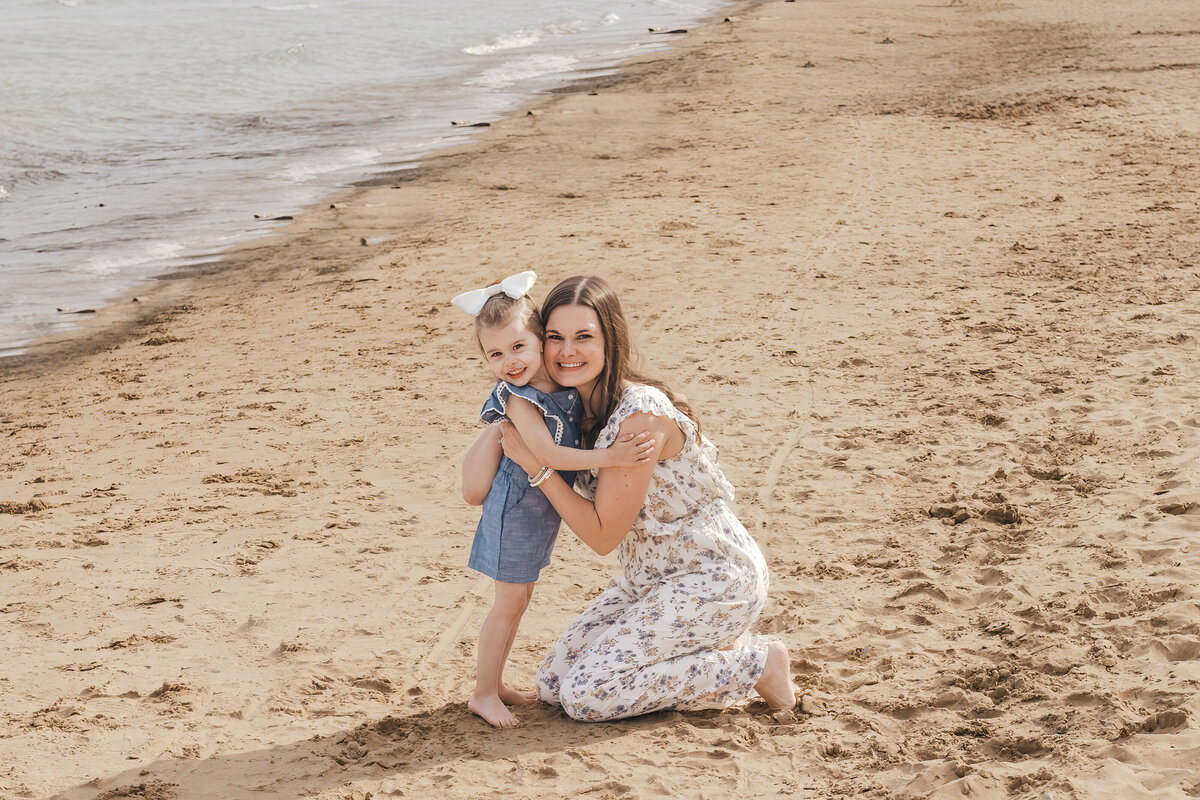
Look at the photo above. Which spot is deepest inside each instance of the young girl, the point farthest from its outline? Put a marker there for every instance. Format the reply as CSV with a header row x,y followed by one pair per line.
x,y
518,525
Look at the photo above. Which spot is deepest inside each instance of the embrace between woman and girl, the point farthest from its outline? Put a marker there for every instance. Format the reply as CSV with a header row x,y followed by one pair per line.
x,y
572,413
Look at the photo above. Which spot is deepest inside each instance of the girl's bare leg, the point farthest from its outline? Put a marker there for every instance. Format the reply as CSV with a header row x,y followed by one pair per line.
x,y
495,639
512,697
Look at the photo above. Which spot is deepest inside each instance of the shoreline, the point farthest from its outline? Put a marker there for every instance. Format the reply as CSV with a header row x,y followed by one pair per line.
x,y
927,273
117,321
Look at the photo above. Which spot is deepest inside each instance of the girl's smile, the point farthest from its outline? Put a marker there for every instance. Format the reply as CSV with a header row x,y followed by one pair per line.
x,y
513,352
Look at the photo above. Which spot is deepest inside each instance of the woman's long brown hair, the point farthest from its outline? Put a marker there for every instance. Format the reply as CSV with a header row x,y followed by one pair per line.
x,y
619,357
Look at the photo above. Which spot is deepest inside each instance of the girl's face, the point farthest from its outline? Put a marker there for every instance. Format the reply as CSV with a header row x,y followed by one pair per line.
x,y
574,346
512,351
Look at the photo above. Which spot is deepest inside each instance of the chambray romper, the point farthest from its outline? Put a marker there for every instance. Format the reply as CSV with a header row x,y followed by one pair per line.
x,y
518,527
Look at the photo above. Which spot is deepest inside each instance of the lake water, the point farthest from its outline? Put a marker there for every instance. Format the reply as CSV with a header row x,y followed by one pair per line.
x,y
141,136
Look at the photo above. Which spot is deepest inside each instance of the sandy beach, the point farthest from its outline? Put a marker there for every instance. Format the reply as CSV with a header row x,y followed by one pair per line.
x,y
930,273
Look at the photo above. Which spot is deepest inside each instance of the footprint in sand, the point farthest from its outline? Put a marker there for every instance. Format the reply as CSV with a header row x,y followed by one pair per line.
x,y
151,790
1170,649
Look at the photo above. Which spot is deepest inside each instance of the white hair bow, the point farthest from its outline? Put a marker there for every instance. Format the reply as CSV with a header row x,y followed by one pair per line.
x,y
514,286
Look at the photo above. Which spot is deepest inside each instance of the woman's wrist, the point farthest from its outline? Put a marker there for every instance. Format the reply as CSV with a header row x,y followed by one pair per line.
x,y
539,477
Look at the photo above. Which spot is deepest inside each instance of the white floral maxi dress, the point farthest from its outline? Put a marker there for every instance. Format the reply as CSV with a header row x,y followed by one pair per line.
x,y
671,632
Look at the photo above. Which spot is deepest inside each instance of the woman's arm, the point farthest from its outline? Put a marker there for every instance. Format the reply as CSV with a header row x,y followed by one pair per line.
x,y
527,418
621,492
480,465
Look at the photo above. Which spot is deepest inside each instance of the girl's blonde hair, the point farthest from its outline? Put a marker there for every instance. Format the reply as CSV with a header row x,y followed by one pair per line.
x,y
619,358
501,310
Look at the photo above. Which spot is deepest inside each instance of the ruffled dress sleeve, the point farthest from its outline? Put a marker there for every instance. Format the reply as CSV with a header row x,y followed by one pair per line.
x,y
644,399
495,408
680,487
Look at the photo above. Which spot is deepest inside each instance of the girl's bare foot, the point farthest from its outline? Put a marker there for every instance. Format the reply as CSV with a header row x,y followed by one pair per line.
x,y
511,697
493,711
775,684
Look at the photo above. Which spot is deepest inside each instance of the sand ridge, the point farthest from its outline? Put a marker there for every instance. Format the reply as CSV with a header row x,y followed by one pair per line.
x,y
928,273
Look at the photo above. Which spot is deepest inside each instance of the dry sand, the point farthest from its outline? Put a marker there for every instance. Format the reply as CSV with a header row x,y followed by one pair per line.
x,y
905,258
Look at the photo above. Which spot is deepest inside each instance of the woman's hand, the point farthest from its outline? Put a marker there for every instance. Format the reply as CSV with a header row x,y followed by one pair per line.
x,y
516,449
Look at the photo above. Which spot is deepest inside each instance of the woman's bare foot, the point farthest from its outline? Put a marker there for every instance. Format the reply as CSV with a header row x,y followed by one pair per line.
x,y
493,710
511,697
775,683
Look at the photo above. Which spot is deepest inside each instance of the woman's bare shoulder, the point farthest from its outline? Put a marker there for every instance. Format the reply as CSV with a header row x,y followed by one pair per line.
x,y
645,422
640,421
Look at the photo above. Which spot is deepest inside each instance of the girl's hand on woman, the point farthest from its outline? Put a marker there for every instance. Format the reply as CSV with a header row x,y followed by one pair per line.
x,y
516,449
631,450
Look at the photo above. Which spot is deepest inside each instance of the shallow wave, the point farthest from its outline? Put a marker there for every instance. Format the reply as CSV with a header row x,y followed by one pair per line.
x,y
525,37
146,252
511,72
509,41
290,7
32,176
327,162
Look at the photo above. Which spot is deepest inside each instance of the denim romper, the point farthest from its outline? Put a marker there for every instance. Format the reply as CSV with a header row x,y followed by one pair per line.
x,y
516,533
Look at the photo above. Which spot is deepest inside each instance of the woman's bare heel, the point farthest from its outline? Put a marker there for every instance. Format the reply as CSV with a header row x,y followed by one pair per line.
x,y
775,683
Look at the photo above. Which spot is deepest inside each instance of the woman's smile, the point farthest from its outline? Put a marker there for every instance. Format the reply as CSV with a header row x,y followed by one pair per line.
x,y
574,349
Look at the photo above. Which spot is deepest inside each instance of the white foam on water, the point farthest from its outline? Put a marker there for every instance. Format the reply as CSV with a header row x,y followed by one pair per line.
x,y
125,259
512,72
508,41
330,161
525,37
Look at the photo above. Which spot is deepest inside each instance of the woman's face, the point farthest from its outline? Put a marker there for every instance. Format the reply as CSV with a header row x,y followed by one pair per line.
x,y
574,350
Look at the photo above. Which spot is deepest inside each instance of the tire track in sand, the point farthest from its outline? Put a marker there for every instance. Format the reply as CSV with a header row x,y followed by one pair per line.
x,y
824,249
469,604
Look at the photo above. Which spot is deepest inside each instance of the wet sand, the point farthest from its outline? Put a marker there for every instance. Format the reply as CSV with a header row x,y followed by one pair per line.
x,y
929,273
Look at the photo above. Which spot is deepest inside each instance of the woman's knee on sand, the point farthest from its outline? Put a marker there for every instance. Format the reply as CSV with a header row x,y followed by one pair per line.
x,y
592,701
558,684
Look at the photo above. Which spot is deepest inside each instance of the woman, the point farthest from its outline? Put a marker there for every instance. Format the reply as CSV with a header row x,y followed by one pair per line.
x,y
671,631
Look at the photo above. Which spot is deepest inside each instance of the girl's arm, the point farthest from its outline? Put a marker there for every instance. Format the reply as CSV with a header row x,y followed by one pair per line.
x,y
480,465
621,492
626,451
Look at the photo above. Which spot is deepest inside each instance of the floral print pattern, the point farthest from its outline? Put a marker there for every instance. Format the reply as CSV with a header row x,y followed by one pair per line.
x,y
672,630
